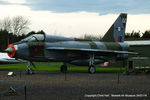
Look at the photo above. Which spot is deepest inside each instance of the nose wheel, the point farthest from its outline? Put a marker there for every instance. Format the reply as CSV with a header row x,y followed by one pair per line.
x,y
63,68
30,71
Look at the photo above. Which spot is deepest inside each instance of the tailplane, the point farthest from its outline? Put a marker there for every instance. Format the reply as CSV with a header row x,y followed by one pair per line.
x,y
116,33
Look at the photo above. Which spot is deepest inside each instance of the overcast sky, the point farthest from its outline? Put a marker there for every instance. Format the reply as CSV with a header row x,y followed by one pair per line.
x,y
74,18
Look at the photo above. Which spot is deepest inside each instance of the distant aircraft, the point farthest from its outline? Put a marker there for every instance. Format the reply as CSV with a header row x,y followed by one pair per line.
x,y
47,48
5,59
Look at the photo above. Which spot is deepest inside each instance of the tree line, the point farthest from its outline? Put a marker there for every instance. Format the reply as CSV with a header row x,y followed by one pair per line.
x,y
8,38
138,35
128,36
13,30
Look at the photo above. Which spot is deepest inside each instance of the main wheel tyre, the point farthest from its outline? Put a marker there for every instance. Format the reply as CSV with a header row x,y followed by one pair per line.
x,y
63,68
92,70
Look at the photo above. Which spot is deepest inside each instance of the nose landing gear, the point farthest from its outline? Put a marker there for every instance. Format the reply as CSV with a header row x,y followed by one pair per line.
x,y
30,71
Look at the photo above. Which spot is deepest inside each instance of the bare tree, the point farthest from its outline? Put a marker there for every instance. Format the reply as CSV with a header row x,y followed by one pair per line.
x,y
89,37
5,24
19,25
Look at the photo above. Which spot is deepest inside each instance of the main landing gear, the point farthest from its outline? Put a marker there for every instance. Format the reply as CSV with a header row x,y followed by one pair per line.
x,y
91,69
63,68
30,71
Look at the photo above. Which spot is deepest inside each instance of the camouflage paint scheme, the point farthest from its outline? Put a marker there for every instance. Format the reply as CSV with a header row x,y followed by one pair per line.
x,y
47,48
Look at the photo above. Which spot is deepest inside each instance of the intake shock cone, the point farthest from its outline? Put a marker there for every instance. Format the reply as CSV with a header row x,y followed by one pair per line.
x,y
10,50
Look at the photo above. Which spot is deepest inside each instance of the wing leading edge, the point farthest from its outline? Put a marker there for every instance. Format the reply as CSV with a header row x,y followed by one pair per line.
x,y
91,50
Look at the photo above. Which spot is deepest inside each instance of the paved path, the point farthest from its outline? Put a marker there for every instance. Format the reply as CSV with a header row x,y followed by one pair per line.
x,y
78,86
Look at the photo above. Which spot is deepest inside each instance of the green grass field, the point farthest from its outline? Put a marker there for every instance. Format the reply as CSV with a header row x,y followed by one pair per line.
x,y
52,66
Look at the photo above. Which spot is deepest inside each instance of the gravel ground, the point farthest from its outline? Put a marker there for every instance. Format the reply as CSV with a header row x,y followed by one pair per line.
x,y
76,86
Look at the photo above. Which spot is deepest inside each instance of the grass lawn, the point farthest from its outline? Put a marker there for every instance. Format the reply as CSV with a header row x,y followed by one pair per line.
x,y
52,66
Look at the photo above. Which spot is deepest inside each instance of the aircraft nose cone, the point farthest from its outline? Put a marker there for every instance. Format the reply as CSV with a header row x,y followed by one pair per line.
x,y
9,50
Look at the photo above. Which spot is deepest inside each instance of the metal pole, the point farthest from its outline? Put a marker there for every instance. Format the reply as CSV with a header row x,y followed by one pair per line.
x,y
118,76
25,92
20,74
65,75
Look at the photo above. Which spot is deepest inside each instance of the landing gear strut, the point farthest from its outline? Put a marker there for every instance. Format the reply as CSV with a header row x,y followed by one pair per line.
x,y
63,68
91,65
30,71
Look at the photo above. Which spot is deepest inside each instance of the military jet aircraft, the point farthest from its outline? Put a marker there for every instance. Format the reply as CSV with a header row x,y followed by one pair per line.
x,y
47,48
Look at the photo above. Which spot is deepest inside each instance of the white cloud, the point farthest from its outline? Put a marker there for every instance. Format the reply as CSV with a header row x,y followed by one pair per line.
x,y
73,24
140,22
15,1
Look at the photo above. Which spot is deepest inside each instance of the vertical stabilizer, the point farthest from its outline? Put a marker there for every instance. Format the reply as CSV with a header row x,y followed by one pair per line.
x,y
116,33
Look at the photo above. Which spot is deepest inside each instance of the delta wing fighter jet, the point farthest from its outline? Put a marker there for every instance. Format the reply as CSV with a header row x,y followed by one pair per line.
x,y
47,48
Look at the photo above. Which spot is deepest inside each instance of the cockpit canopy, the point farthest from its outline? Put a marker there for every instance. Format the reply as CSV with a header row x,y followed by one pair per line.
x,y
35,38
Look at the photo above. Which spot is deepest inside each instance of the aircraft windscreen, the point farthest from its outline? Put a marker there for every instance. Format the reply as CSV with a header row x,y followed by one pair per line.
x,y
35,38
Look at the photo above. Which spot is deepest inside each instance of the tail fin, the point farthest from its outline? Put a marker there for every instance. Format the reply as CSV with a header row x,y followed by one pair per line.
x,y
116,33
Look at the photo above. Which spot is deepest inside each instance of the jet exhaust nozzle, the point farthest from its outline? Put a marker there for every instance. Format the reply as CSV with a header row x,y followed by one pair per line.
x,y
10,50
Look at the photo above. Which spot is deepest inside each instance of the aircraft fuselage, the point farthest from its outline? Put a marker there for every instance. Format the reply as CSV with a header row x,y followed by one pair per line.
x,y
38,51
